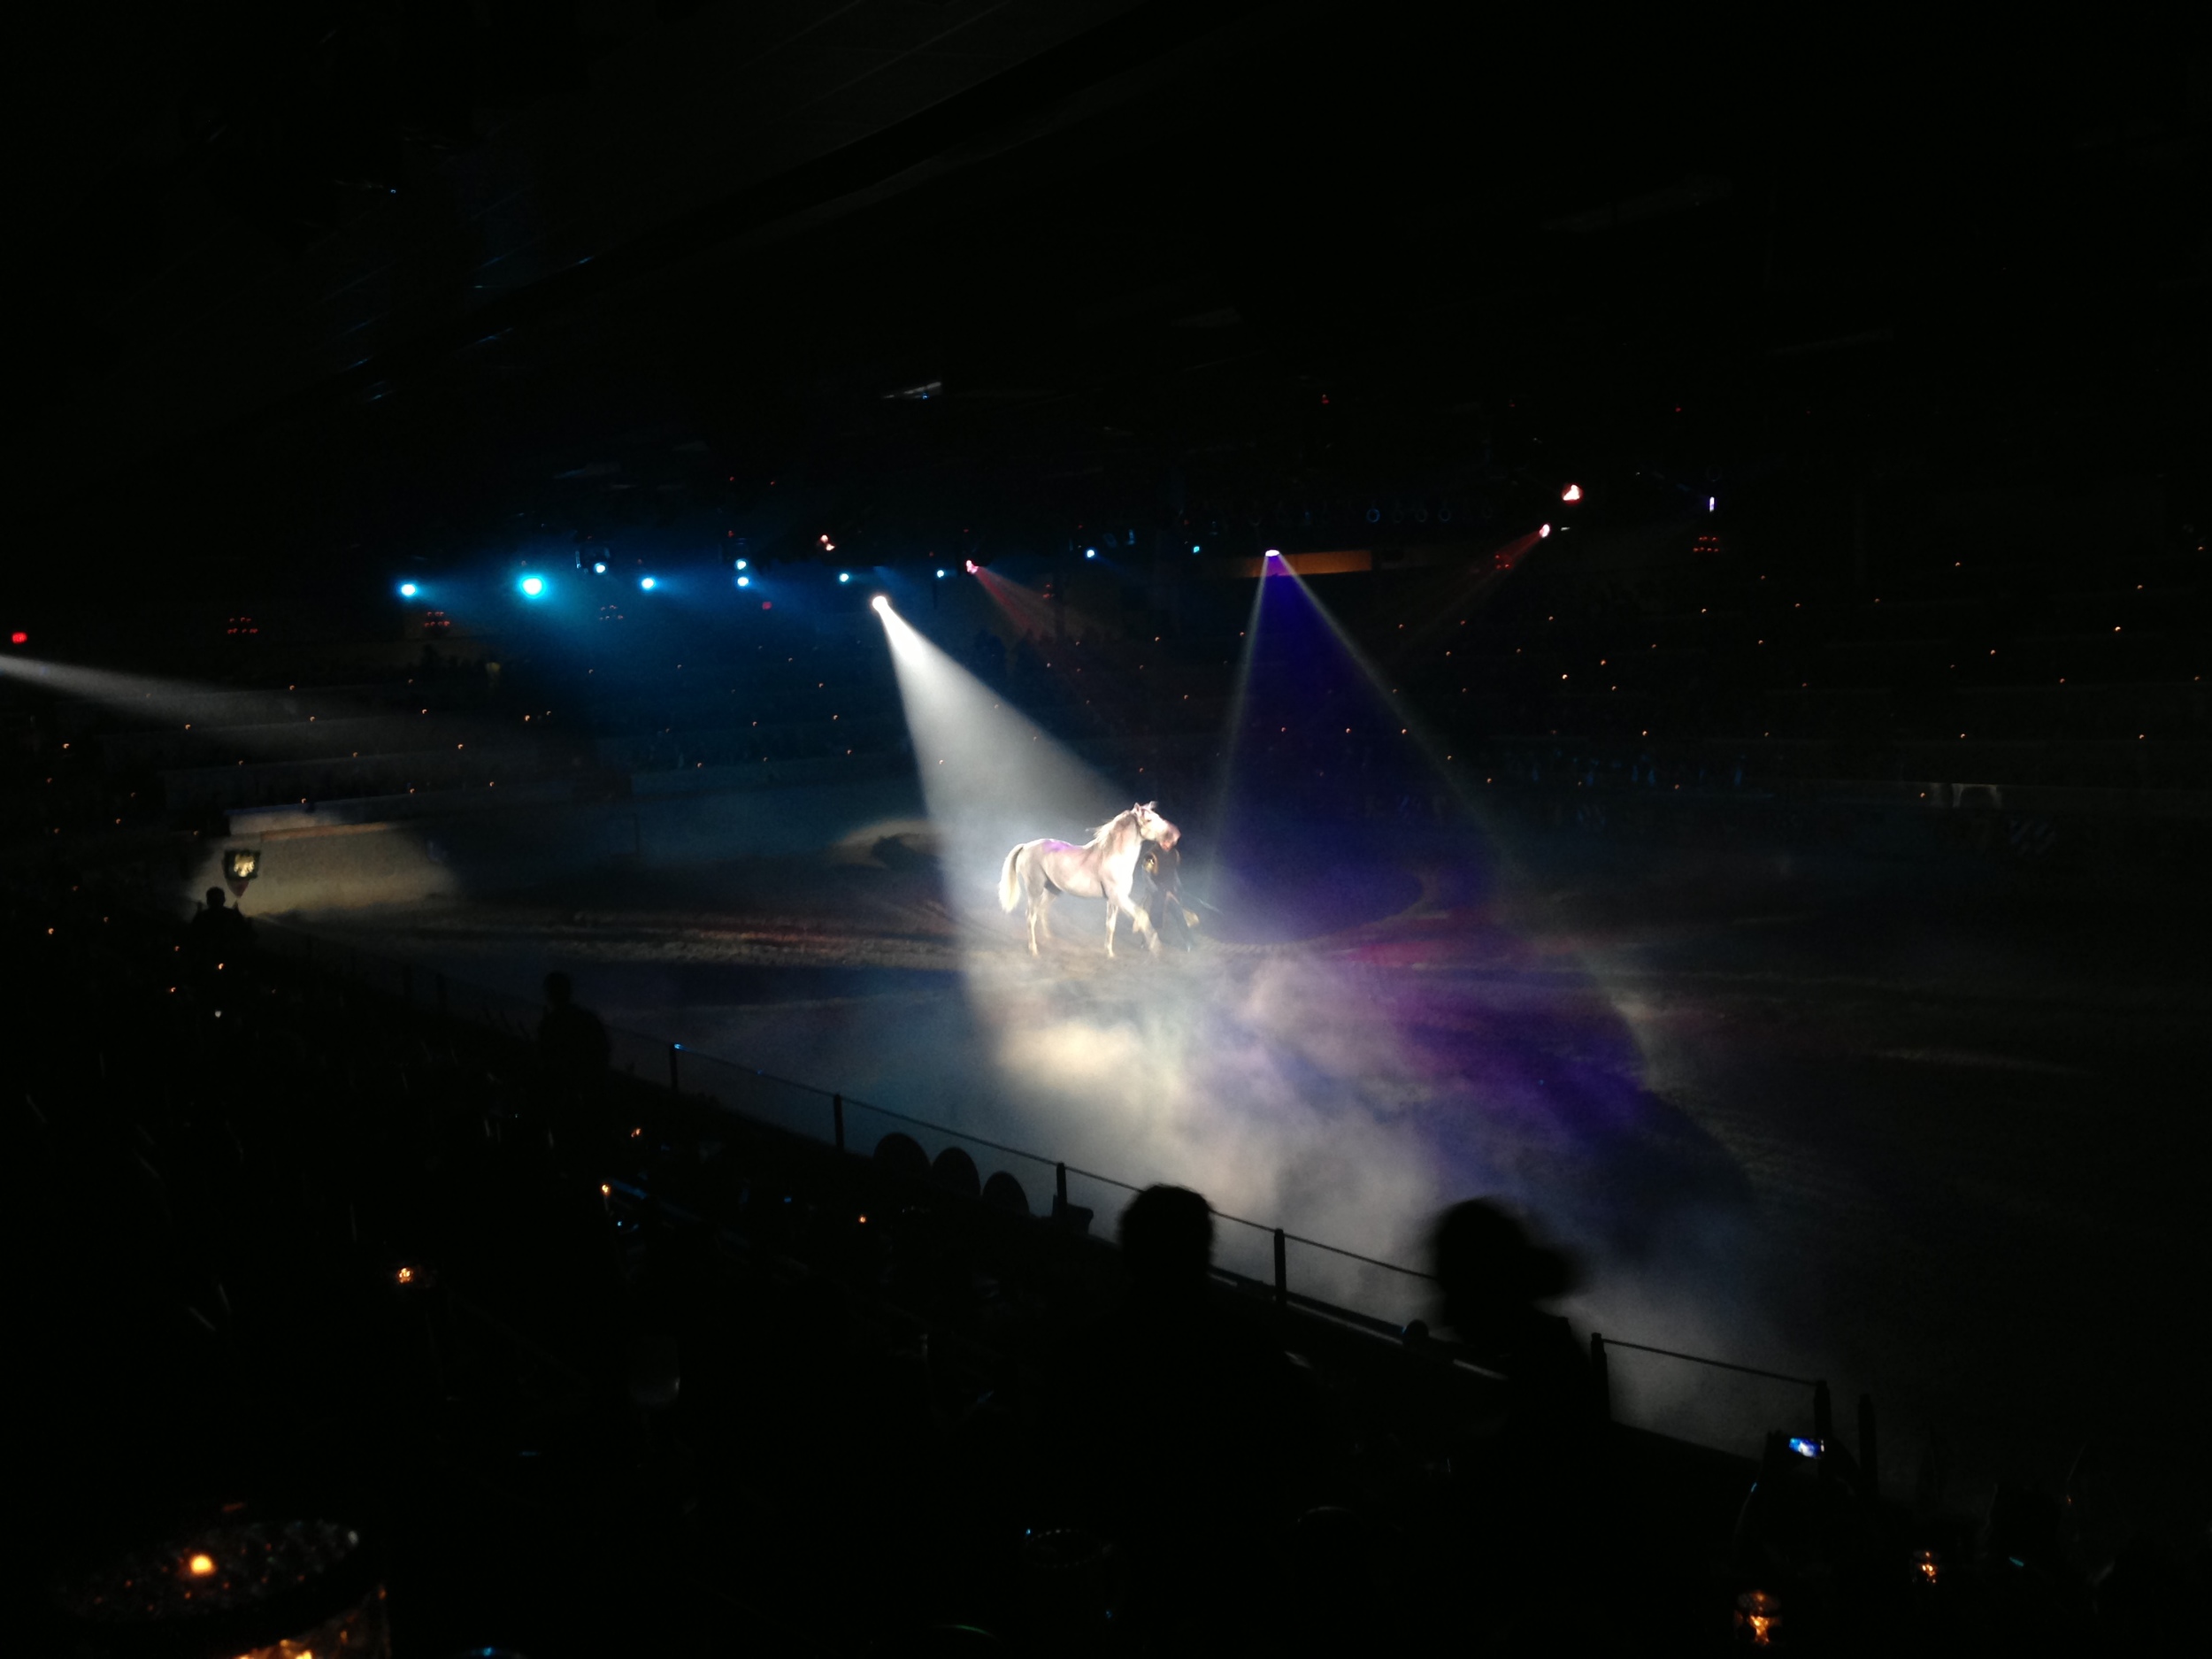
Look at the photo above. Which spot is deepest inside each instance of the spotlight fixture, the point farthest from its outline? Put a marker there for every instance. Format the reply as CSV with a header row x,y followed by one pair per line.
x,y
1544,532
941,576
880,605
1274,552
974,567
531,586
744,582
1573,492
741,564
844,576
599,567
1090,552
408,590
649,583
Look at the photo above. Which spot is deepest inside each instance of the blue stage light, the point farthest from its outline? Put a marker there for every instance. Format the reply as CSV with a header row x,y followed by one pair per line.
x,y
649,583
941,576
844,576
599,567
742,566
408,590
1090,552
744,582
531,586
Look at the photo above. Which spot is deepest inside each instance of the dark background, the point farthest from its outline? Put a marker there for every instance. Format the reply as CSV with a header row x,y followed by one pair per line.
x,y
321,293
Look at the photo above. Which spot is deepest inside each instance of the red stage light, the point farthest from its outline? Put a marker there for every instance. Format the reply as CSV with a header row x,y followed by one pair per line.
x,y
1573,492
974,567
1545,530
19,638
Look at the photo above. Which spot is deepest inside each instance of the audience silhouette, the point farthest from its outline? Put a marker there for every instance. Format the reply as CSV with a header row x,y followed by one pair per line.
x,y
1181,1418
220,933
1521,1482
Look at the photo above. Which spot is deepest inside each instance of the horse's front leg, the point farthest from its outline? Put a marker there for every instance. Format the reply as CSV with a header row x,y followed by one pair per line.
x,y
1036,911
1120,900
1145,929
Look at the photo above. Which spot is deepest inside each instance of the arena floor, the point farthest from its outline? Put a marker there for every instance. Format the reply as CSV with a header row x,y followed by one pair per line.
x,y
1924,1132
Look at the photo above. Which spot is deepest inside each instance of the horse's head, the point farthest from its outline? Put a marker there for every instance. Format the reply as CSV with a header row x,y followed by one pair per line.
x,y
1153,827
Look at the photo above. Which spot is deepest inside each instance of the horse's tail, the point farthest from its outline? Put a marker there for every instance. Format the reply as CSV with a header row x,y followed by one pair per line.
x,y
1009,891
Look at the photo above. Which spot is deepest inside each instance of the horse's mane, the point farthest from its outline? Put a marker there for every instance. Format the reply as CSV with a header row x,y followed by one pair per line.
x,y
1098,835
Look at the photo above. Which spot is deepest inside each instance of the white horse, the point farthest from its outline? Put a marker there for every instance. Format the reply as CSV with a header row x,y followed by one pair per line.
x,y
1103,867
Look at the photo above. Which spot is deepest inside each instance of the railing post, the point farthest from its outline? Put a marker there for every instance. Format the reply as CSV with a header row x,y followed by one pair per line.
x,y
1282,1269
837,1118
1600,1378
675,1083
1060,1185
1870,1447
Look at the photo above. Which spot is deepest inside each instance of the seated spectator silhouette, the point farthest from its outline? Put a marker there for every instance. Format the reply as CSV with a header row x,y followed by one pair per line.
x,y
572,1051
954,1172
220,933
1183,1412
1523,1482
1492,1276
901,1156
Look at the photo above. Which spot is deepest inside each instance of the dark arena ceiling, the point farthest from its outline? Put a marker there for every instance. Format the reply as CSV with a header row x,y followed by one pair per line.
x,y
329,285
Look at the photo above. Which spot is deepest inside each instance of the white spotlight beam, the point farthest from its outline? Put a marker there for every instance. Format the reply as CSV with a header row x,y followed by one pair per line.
x,y
991,777
144,694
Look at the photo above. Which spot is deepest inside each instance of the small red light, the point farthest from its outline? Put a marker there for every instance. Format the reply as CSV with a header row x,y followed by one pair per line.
x,y
19,638
766,605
